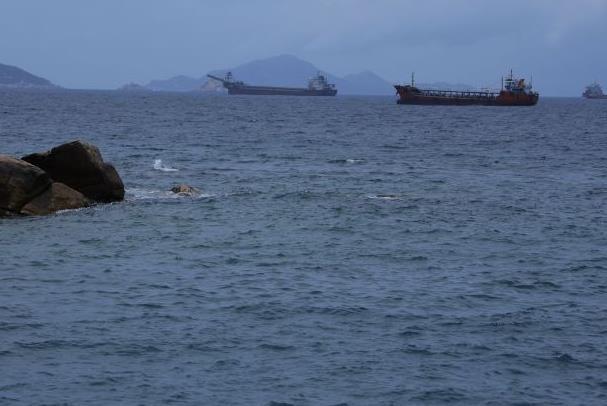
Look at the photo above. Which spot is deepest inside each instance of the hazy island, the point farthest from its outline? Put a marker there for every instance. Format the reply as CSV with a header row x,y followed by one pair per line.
x,y
286,70
133,87
281,70
14,77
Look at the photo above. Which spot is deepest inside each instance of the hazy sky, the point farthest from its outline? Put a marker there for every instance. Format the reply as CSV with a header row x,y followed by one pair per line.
x,y
106,43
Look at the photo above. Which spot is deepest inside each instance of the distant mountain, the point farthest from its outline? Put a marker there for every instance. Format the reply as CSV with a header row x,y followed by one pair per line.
x,y
367,83
14,77
282,70
288,70
133,87
176,84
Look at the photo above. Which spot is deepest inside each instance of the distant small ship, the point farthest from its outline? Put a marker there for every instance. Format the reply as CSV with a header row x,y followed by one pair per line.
x,y
317,86
515,92
594,91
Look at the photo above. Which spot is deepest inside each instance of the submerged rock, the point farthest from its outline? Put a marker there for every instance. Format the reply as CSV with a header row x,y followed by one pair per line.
x,y
20,182
80,166
185,190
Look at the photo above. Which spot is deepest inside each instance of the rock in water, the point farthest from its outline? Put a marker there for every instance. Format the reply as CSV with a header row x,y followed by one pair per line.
x,y
69,176
20,182
57,197
80,166
185,190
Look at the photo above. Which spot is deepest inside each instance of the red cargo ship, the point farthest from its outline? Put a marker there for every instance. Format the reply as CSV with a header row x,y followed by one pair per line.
x,y
515,92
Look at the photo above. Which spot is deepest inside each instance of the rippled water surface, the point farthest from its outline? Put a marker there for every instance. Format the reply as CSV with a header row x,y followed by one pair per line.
x,y
344,251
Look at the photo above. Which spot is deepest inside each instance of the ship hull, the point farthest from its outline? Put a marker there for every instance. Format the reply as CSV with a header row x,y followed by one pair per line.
x,y
438,101
596,97
279,91
414,96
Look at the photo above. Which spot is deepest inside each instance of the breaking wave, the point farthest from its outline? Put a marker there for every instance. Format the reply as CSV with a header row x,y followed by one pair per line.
x,y
347,161
155,194
160,167
384,197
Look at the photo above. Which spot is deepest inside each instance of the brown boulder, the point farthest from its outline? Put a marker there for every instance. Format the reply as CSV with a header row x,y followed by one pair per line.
x,y
80,166
20,182
57,197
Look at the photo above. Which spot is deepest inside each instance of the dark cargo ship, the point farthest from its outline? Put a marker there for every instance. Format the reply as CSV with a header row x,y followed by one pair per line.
x,y
594,91
317,86
515,92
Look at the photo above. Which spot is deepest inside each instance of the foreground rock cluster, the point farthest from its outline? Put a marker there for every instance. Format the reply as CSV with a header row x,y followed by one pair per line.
x,y
69,176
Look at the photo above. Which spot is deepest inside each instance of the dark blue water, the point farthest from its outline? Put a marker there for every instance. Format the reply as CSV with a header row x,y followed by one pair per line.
x,y
344,251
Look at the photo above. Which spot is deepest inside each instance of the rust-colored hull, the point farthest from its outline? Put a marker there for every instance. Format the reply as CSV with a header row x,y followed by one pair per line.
x,y
412,95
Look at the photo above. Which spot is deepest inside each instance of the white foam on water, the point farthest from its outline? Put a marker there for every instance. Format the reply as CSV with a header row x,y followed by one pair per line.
x,y
383,197
160,167
66,211
149,194
354,161
154,194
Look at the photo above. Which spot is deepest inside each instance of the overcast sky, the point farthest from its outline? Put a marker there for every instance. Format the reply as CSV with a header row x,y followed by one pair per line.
x,y
106,43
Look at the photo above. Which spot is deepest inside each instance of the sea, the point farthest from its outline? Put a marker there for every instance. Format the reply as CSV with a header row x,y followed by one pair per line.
x,y
343,251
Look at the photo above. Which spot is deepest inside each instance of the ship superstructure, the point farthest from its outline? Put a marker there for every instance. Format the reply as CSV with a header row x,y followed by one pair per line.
x,y
514,92
594,91
317,86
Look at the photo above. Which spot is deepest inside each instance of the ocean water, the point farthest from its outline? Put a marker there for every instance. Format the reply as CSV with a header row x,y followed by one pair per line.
x,y
344,251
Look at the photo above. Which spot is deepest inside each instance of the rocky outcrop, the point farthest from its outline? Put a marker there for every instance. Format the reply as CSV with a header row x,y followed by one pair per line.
x,y
20,182
80,166
57,197
69,176
185,190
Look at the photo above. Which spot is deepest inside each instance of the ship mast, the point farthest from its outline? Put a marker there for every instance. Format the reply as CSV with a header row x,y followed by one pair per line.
x,y
412,79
